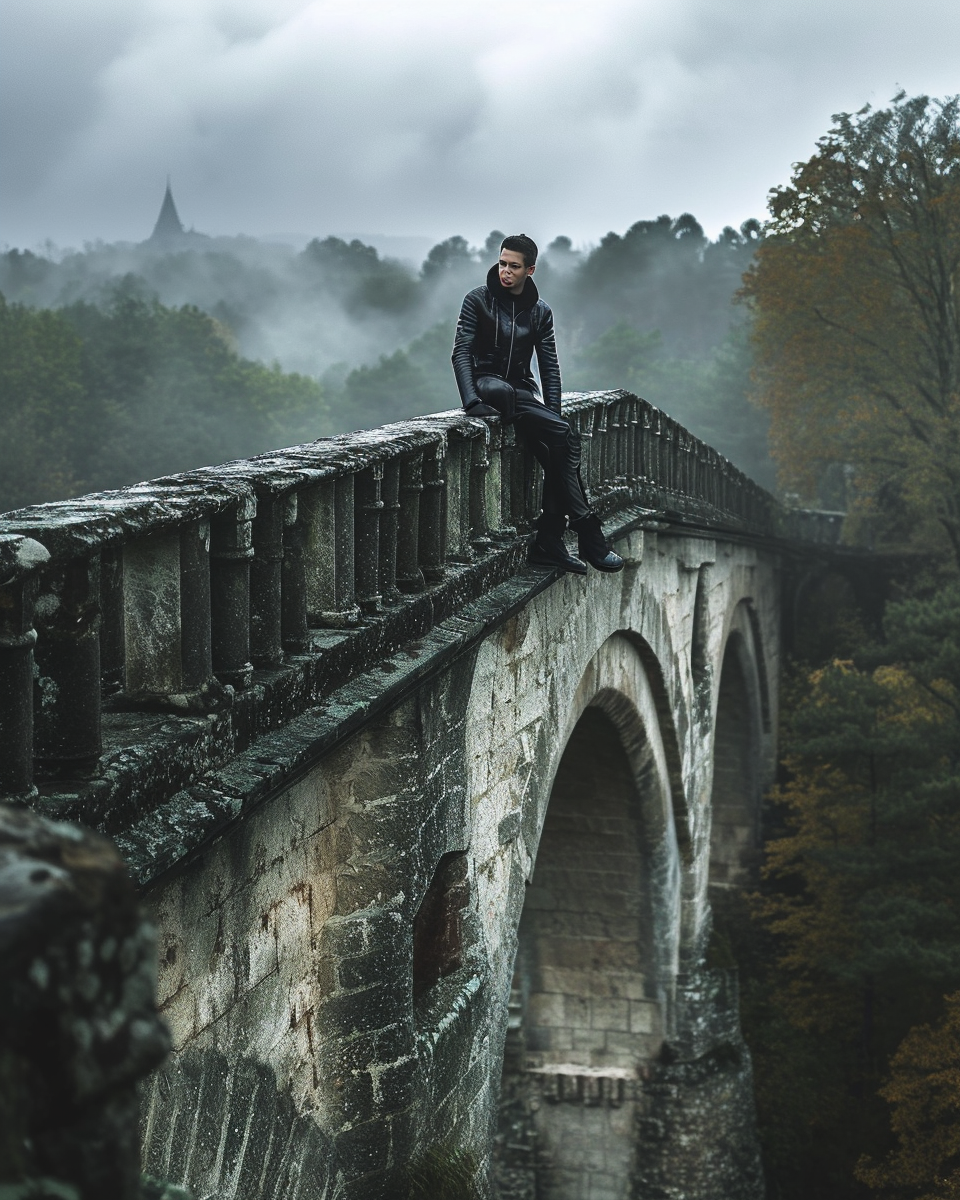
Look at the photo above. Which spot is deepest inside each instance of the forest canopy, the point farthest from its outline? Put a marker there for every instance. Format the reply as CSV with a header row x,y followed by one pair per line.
x,y
857,327
93,397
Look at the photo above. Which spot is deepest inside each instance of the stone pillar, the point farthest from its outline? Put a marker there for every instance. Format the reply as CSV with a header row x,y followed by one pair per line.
x,y
432,542
389,522
601,449
293,580
632,419
479,492
78,1023
459,479
266,636
18,587
409,575
151,616
231,550
616,455
111,619
369,507
196,653
328,526
498,484
67,691
588,470
158,632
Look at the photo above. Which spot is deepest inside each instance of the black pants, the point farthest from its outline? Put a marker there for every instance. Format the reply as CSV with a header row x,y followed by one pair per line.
x,y
549,438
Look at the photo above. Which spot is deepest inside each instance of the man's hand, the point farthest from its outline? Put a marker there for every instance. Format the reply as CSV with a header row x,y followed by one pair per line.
x,y
479,409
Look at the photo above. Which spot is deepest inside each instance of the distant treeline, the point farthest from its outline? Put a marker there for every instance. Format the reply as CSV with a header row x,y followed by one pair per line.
x,y
650,310
93,398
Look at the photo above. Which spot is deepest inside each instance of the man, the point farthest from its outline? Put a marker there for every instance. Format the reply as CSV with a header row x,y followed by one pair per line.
x,y
500,326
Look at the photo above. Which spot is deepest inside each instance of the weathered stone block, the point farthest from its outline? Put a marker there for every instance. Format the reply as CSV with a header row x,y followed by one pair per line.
x,y
609,1014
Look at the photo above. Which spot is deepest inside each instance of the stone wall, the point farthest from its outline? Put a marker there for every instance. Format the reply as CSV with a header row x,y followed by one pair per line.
x,y
304,1064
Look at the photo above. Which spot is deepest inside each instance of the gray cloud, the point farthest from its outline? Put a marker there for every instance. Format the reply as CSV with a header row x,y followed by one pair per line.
x,y
432,117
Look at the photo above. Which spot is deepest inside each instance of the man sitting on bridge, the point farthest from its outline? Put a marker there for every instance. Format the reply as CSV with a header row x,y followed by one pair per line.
x,y
500,326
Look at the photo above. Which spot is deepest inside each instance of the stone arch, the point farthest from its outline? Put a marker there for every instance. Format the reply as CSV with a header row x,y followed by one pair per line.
x,y
741,715
598,938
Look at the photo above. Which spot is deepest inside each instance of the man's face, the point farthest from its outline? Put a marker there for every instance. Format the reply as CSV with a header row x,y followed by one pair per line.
x,y
513,271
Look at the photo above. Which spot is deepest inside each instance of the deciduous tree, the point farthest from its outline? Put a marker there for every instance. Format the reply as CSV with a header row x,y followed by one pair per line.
x,y
857,325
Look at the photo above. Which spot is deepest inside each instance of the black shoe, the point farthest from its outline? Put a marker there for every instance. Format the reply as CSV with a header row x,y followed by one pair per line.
x,y
593,545
548,548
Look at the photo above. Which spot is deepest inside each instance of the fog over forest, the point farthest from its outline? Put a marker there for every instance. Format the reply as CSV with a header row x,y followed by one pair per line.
x,y
652,309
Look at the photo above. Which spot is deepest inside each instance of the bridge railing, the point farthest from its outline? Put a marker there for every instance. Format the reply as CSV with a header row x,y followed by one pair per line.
x,y
165,593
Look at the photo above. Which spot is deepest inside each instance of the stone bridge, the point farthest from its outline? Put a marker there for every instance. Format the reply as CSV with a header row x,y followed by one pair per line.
x,y
430,836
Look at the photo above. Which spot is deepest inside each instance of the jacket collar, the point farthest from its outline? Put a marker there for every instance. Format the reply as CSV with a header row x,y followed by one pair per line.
x,y
527,298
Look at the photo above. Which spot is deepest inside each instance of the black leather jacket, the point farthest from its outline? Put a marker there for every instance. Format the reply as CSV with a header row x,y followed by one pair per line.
x,y
497,334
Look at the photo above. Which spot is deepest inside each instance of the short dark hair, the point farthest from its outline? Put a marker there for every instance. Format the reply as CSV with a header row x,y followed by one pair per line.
x,y
523,245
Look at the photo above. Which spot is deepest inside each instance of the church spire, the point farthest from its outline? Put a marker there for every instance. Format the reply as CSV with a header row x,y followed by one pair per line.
x,y
169,227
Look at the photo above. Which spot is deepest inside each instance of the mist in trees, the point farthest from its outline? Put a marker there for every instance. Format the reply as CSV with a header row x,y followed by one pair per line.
x,y
650,310
97,397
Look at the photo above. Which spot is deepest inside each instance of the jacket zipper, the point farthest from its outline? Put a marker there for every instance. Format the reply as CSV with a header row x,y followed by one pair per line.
x,y
513,330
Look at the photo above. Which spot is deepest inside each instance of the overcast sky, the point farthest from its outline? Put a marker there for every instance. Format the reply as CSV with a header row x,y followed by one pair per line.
x,y
418,117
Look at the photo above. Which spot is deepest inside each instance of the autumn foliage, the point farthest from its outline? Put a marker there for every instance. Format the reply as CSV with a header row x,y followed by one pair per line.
x,y
857,329
924,1093
860,908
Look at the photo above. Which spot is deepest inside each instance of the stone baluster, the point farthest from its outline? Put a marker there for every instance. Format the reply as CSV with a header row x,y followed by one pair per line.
x,y
266,583
533,483
196,633
521,469
167,635
720,498
479,467
668,459
511,488
19,558
632,432
600,448
584,424
614,442
459,479
623,439
498,484
293,580
389,522
646,443
66,730
231,552
111,619
683,462
368,512
328,516
432,547
152,665
409,575
657,451
712,467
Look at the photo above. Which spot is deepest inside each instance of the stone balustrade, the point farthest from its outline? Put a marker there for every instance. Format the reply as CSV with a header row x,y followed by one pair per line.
x,y
188,593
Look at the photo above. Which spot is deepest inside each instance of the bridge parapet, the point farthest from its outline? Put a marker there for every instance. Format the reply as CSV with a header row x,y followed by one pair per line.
x,y
185,616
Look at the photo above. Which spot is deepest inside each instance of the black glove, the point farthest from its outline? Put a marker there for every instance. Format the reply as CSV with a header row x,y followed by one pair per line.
x,y
479,409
